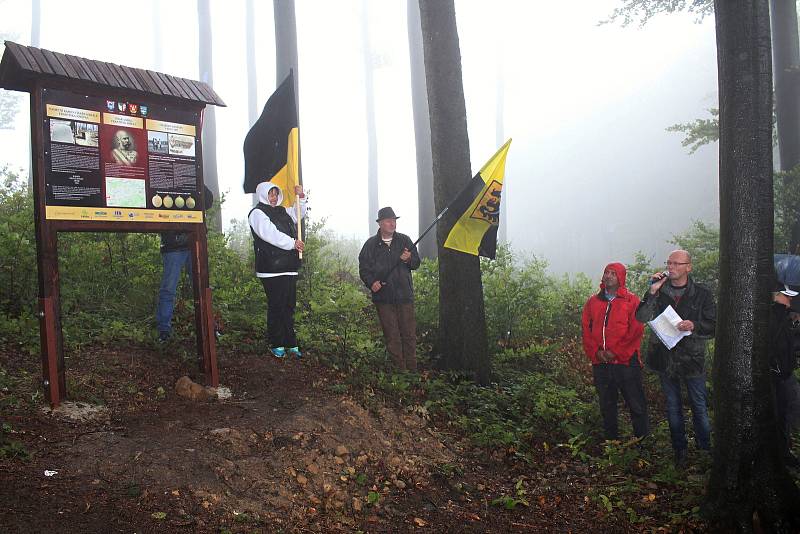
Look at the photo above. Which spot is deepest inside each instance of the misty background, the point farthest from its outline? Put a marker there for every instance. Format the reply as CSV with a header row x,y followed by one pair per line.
x,y
592,176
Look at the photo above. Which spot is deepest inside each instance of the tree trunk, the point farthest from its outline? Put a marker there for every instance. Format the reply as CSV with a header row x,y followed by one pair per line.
x,y
372,136
422,131
786,67
285,21
500,138
748,476
462,321
210,176
36,23
250,54
286,44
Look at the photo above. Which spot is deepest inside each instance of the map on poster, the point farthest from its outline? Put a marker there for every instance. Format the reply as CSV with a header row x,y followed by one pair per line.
x,y
124,192
103,152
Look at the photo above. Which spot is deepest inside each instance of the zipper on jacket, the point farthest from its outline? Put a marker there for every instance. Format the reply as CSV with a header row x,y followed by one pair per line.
x,y
605,322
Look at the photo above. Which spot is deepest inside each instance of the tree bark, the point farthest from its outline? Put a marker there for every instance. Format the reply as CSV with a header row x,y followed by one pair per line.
x,y
286,44
250,54
210,176
422,131
372,135
462,321
748,478
786,67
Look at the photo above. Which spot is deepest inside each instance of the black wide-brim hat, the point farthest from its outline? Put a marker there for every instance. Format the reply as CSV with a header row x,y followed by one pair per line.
x,y
386,213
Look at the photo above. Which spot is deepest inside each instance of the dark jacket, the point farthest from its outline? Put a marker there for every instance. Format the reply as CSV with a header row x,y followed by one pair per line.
x,y
612,325
269,258
173,241
375,262
783,341
687,358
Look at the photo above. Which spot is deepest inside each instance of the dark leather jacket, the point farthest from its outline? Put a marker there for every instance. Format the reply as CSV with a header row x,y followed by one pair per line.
x,y
377,262
687,358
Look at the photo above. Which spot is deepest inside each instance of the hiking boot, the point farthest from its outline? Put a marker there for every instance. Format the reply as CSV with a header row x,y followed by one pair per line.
x,y
163,337
680,459
278,352
295,351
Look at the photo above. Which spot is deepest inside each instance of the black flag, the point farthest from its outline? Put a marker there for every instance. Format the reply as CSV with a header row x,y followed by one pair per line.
x,y
271,148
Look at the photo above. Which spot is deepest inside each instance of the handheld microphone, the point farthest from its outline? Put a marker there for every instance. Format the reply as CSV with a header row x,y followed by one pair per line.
x,y
664,274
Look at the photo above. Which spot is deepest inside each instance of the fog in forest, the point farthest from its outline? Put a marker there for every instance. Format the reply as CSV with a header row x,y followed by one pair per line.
x,y
592,176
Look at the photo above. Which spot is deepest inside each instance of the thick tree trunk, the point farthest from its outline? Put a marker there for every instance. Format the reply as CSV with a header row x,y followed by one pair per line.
x,y
286,44
286,56
462,321
786,67
422,131
748,476
372,135
210,176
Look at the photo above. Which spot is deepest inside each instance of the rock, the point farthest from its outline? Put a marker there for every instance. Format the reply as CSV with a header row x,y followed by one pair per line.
x,y
184,387
312,468
302,480
337,460
341,450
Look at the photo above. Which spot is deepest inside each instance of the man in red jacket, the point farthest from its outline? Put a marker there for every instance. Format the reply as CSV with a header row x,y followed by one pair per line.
x,y
611,340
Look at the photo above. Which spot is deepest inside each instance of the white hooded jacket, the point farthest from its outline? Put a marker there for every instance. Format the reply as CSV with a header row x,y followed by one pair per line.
x,y
266,230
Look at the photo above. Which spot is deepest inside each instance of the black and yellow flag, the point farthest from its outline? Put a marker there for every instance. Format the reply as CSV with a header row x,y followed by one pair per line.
x,y
272,147
478,206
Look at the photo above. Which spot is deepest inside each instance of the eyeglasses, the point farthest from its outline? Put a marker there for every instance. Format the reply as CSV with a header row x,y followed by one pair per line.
x,y
676,263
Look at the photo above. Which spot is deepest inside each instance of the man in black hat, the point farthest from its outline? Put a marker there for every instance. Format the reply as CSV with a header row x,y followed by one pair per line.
x,y
384,265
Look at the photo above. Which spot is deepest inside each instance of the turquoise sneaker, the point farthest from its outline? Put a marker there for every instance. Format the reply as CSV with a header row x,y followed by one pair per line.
x,y
295,351
278,352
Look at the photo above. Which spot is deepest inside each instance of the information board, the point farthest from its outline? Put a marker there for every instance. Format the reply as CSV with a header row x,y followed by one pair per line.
x,y
111,160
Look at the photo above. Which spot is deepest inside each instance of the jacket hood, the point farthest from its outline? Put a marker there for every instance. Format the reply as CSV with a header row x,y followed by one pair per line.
x,y
621,272
263,188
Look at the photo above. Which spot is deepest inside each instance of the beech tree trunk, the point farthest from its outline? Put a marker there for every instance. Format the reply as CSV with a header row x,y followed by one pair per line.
x,y
748,479
210,176
422,132
786,67
462,321
372,131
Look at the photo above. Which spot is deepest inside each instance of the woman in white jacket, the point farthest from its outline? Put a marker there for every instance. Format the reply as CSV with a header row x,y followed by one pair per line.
x,y
277,249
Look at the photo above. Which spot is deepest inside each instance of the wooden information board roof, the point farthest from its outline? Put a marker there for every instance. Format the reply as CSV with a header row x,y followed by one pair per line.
x,y
22,65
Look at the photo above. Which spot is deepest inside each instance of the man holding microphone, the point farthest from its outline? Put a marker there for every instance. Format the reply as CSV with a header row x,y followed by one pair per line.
x,y
685,362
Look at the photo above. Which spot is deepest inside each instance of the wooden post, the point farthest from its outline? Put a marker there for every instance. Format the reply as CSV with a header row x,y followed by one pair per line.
x,y
54,381
204,316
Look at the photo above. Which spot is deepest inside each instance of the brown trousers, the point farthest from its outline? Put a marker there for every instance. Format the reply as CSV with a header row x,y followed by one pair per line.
x,y
400,333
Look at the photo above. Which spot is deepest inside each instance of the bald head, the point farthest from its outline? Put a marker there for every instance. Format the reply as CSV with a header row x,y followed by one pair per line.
x,y
679,265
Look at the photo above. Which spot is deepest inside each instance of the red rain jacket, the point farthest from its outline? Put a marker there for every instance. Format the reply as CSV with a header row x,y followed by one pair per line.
x,y
612,325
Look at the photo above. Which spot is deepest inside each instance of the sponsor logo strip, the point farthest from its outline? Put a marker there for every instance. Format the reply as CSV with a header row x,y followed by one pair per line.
x,y
76,213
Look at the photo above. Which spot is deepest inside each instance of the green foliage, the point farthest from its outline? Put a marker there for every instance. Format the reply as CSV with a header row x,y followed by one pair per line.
x,y
700,132
510,502
702,242
787,207
17,246
643,10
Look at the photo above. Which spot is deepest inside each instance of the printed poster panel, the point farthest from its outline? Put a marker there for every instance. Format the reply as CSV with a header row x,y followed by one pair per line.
x,y
113,160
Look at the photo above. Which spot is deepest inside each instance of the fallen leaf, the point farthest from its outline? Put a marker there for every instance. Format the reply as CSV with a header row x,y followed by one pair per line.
x,y
420,522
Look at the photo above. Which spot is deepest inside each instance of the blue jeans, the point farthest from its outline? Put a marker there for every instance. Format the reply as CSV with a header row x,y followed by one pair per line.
x,y
174,262
696,388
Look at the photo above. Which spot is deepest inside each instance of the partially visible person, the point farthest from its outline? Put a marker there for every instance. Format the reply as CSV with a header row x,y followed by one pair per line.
x,y
611,340
784,344
384,265
175,257
277,249
124,150
685,363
